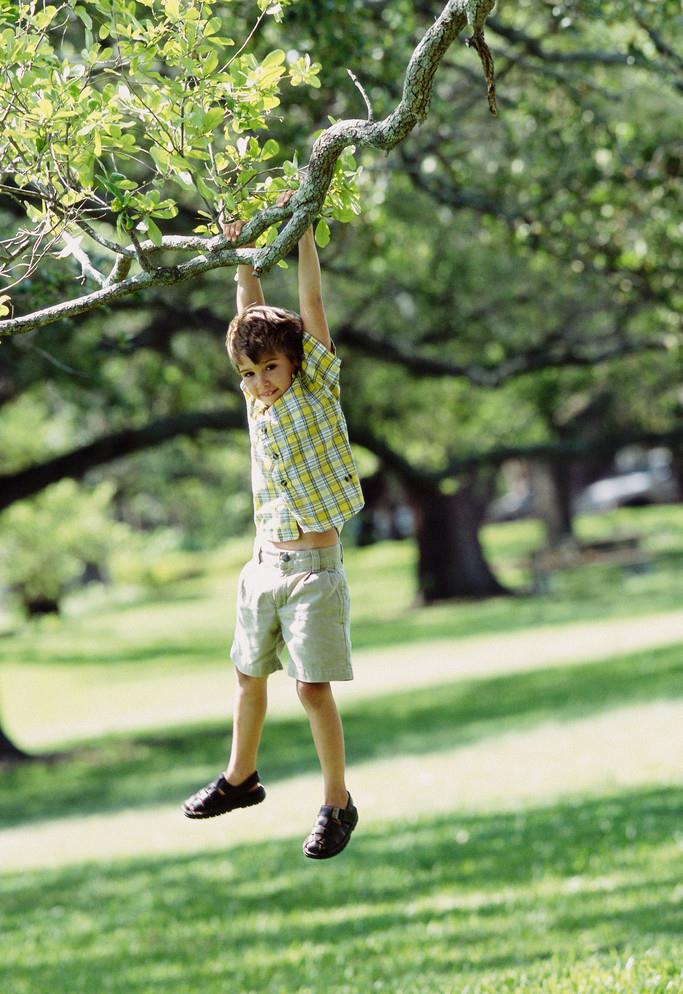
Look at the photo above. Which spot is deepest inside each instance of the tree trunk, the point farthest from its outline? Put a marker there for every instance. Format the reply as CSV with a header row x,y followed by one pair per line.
x,y
39,605
552,484
451,560
9,752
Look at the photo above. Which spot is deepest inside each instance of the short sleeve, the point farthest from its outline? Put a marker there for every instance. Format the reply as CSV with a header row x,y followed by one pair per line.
x,y
320,367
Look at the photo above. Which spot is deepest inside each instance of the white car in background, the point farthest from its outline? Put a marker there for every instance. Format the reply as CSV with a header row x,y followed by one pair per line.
x,y
636,489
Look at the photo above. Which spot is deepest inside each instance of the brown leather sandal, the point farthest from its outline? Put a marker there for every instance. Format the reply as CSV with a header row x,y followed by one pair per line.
x,y
220,796
332,831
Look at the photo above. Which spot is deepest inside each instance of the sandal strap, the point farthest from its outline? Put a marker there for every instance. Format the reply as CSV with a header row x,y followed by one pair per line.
x,y
223,787
328,812
227,792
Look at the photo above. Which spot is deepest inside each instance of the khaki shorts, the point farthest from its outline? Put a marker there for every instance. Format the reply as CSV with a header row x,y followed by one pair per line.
x,y
299,600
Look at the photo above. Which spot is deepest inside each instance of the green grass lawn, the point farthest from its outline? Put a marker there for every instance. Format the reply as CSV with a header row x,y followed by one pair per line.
x,y
141,770
112,632
578,897
113,638
129,625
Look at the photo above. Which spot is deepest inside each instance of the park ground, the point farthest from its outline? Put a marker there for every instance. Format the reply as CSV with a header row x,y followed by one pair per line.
x,y
517,765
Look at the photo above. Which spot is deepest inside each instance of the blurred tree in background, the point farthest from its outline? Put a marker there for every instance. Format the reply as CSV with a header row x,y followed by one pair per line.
x,y
510,288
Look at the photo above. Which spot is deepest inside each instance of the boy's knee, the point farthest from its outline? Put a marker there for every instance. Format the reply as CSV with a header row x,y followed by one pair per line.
x,y
250,684
312,694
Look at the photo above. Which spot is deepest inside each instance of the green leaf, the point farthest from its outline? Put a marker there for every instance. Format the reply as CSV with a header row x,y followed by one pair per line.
x,y
44,17
275,58
84,16
204,189
172,8
167,209
44,108
212,118
121,228
344,214
270,149
212,27
322,233
210,63
160,156
153,231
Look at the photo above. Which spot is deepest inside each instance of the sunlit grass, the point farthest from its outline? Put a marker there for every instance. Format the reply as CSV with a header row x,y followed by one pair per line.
x,y
576,897
139,770
112,638
193,616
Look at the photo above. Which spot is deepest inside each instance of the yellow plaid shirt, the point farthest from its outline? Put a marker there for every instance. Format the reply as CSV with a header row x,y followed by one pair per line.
x,y
302,469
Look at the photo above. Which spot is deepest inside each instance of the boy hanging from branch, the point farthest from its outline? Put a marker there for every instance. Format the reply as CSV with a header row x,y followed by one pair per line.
x,y
293,592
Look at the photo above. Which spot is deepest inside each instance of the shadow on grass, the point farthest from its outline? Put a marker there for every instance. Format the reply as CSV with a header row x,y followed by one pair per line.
x,y
479,903
157,768
194,651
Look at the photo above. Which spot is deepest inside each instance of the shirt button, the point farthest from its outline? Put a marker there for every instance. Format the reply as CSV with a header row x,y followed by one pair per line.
x,y
283,483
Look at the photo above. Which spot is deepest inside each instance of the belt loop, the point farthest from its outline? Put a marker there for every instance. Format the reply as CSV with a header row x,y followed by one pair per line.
x,y
341,550
315,560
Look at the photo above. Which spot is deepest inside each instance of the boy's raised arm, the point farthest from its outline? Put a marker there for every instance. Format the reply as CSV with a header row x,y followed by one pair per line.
x,y
310,285
310,291
249,289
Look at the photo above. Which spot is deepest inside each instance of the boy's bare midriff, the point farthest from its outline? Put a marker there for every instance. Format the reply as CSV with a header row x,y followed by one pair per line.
x,y
307,540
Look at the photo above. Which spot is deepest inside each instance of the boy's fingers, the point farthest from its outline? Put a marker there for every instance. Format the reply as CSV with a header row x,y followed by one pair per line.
x,y
232,229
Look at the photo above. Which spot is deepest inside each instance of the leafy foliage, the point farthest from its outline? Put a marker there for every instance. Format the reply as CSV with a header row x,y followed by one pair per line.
x,y
550,233
46,543
117,113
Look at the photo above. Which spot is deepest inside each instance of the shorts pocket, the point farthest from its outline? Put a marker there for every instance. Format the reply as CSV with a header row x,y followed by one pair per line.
x,y
338,593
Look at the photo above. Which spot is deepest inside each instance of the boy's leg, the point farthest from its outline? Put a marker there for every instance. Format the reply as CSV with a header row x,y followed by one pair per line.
x,y
249,712
239,786
328,737
338,816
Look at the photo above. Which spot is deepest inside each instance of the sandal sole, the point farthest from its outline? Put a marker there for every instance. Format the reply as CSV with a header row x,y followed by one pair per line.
x,y
248,802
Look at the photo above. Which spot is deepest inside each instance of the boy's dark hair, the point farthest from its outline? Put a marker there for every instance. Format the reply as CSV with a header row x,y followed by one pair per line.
x,y
260,329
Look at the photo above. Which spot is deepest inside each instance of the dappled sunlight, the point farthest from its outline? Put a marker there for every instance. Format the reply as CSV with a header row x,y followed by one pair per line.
x,y
581,889
457,766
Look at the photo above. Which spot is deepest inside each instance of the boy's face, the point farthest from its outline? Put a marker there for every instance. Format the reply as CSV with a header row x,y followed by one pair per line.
x,y
269,377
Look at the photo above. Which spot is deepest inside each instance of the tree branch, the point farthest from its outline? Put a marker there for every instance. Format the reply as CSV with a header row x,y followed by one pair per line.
x,y
629,59
555,355
75,464
557,450
308,200
560,450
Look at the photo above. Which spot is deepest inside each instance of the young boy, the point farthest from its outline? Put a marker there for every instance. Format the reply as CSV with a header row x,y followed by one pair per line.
x,y
294,591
